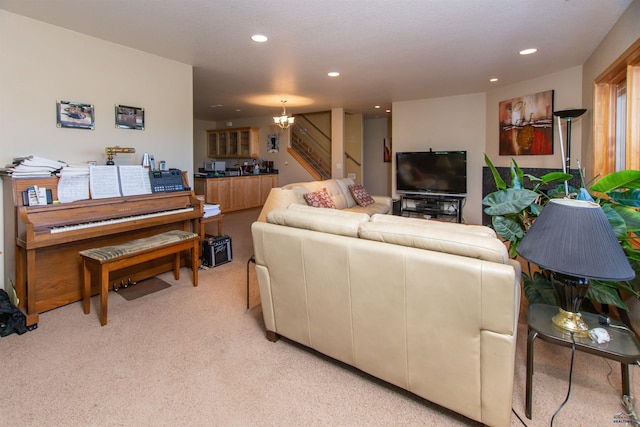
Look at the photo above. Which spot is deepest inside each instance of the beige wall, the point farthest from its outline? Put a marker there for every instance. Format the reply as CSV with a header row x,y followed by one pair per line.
x,y
567,87
200,128
42,63
353,146
376,174
451,123
337,143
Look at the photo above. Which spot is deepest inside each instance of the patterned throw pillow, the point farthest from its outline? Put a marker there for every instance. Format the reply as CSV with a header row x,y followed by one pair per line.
x,y
360,195
320,199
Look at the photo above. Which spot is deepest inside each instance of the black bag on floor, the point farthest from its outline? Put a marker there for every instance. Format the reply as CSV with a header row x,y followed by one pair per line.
x,y
12,320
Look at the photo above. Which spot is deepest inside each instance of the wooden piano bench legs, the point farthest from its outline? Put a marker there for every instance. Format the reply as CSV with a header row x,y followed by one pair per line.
x,y
110,258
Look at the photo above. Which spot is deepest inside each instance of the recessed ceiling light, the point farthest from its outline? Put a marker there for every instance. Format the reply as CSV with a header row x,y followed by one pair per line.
x,y
259,38
388,111
215,106
495,79
528,51
376,106
333,74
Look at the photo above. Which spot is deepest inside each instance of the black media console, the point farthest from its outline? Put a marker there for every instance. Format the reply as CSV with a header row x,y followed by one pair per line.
x,y
442,207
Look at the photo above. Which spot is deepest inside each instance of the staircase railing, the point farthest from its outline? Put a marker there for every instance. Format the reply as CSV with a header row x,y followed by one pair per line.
x,y
353,159
311,147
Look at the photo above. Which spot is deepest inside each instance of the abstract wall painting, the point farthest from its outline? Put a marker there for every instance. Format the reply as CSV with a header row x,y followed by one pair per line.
x,y
526,125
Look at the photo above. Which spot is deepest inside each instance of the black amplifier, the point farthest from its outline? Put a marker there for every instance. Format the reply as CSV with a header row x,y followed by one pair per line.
x,y
216,250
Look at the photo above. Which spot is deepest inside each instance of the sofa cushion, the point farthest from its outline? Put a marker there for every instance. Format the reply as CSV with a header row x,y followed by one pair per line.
x,y
300,188
436,239
360,195
331,185
369,210
338,189
480,230
326,211
319,199
343,184
376,208
324,220
337,193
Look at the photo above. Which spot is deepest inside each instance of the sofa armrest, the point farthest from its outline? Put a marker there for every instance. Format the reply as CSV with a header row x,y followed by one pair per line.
x,y
278,198
384,200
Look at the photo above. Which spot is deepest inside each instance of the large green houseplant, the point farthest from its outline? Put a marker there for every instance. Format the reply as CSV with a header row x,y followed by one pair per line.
x,y
513,208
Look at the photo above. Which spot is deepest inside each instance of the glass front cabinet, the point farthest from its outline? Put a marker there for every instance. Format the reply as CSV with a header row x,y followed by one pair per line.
x,y
233,143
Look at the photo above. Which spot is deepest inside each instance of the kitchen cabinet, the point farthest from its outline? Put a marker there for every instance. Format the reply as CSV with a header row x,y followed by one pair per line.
x,y
237,192
233,143
245,192
215,191
267,182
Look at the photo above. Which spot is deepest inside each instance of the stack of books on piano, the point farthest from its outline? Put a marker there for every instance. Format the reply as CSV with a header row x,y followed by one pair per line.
x,y
74,170
211,210
33,167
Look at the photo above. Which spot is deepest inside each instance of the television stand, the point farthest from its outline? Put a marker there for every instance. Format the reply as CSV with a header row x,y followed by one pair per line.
x,y
442,207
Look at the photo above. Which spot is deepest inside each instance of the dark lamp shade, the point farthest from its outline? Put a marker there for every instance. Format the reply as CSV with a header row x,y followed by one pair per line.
x,y
570,114
573,237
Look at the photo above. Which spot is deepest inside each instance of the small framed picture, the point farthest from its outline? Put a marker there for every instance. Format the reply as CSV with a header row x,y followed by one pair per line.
x,y
74,115
273,143
129,117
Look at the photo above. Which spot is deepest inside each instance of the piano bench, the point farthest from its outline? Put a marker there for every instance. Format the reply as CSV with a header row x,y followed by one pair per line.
x,y
110,258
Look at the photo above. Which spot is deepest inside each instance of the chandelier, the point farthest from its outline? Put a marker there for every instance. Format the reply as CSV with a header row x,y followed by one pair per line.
x,y
284,120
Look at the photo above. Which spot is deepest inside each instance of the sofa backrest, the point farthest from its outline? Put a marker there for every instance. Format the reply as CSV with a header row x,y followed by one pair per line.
x,y
458,239
331,221
479,230
337,188
439,239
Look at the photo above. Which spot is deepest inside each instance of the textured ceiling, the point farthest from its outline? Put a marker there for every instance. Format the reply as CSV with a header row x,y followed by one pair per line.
x,y
385,50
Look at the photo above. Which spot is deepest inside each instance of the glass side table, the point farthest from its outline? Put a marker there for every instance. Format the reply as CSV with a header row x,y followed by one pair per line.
x,y
622,348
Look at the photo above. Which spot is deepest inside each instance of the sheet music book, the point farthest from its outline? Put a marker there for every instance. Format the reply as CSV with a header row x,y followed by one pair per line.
x,y
73,187
211,210
147,183
132,180
104,182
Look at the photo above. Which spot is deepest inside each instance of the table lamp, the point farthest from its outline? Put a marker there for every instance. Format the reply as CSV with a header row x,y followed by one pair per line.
x,y
575,242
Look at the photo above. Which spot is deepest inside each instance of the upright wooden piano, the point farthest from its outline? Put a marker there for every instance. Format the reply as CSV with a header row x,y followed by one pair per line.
x,y
45,240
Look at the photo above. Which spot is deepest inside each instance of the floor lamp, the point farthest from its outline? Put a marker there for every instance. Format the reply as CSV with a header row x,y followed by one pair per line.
x,y
568,115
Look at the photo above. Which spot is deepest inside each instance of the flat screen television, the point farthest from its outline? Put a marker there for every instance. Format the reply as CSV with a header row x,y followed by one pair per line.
x,y
431,172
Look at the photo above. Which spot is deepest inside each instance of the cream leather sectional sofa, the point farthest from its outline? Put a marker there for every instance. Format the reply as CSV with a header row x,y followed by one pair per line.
x,y
427,306
338,189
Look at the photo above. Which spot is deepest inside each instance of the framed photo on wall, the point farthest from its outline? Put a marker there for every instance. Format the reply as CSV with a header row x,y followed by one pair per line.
x,y
74,115
273,143
526,125
129,117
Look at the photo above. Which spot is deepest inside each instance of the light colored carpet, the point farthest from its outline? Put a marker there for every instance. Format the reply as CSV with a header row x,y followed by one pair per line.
x,y
196,357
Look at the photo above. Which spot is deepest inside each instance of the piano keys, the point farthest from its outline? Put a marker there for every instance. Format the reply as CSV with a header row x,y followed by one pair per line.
x,y
45,240
109,222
